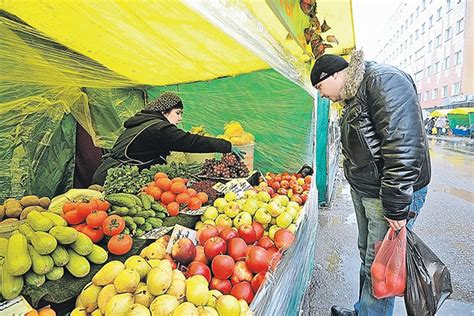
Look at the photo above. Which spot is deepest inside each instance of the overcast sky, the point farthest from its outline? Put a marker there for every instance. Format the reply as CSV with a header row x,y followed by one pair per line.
x,y
370,18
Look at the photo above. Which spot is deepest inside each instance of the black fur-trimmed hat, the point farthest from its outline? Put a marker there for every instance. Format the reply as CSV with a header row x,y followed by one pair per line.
x,y
325,66
165,102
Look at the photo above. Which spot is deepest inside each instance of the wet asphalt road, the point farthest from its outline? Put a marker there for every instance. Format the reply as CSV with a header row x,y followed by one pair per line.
x,y
445,224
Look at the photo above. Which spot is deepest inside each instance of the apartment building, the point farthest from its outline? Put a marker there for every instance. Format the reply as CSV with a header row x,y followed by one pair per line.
x,y
433,40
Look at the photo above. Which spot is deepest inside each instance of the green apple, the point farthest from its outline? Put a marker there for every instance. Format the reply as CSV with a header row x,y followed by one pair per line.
x,y
220,203
284,200
262,216
230,196
263,196
261,204
271,232
293,204
209,222
292,211
232,209
211,213
228,305
284,220
250,206
198,225
292,228
213,296
223,220
275,208
250,194
242,218
241,202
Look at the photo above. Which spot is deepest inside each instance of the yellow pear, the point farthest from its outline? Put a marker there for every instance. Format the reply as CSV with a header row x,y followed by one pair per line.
x,y
143,296
127,281
197,290
228,305
207,311
178,289
79,311
186,309
164,305
119,305
107,273
159,280
138,310
178,275
155,251
138,264
105,295
244,307
89,296
213,296
96,313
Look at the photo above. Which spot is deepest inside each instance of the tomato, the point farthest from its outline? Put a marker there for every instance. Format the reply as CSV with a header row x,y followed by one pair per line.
x,y
183,198
192,192
237,249
223,286
214,246
94,204
80,227
95,234
73,217
283,238
222,266
178,187
258,259
103,205
257,281
243,290
173,208
168,197
96,218
164,183
84,209
113,225
203,197
160,175
199,268
120,244
195,203
69,206
155,192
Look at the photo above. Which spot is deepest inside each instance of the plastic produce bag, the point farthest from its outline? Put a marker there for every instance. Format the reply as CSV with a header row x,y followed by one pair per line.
x,y
389,271
428,280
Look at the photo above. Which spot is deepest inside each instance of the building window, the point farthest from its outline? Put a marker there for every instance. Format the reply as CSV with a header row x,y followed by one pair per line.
x,y
448,5
430,45
406,24
436,67
446,62
416,34
430,22
434,96
419,96
411,39
409,60
423,28
427,95
456,88
428,71
423,5
447,34
438,14
445,91
458,56
419,75
411,18
417,12
438,41
459,26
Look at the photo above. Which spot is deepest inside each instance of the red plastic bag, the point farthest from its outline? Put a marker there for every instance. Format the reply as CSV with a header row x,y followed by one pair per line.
x,y
389,269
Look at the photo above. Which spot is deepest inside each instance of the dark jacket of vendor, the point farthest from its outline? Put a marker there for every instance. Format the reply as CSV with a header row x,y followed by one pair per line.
x,y
152,134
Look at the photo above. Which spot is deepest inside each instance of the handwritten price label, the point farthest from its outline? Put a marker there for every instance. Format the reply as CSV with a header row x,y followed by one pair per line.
x,y
238,186
199,211
16,306
181,232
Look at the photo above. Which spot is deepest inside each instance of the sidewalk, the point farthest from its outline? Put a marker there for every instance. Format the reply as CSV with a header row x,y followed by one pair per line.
x,y
461,144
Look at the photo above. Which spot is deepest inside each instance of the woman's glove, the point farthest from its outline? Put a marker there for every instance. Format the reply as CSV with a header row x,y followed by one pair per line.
x,y
237,152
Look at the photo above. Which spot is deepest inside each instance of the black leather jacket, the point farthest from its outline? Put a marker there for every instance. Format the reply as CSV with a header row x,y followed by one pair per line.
x,y
384,142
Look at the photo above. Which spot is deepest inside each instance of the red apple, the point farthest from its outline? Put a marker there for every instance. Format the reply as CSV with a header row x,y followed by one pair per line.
x,y
243,290
241,273
200,255
224,286
264,242
170,259
183,251
228,233
214,246
298,189
237,249
297,198
257,281
282,191
276,185
206,232
247,233
284,184
306,187
283,238
258,228
219,229
269,190
258,259
222,266
199,268
272,251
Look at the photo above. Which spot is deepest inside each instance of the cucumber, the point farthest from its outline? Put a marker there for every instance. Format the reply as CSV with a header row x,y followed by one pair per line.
x,y
121,199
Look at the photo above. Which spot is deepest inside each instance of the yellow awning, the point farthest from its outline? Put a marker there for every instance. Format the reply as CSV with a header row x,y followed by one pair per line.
x,y
464,111
439,113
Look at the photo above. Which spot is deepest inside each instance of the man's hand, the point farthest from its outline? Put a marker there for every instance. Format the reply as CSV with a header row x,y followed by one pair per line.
x,y
397,225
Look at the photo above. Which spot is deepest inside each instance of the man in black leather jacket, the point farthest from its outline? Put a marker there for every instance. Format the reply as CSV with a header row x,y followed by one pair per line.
x,y
386,158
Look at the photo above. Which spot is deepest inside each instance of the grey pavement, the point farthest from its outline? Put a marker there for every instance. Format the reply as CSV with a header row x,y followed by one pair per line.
x,y
445,225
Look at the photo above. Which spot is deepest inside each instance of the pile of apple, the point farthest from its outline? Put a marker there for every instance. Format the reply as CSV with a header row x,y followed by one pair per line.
x,y
233,261
294,186
273,213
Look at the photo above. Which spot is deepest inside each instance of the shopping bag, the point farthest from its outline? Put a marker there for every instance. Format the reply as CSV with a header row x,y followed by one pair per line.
x,y
388,270
428,279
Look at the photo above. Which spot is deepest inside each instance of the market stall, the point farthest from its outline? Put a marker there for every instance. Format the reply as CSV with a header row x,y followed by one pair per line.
x,y
73,63
461,121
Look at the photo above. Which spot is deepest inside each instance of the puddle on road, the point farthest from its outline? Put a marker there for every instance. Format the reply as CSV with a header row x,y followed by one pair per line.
x,y
328,220
334,261
460,193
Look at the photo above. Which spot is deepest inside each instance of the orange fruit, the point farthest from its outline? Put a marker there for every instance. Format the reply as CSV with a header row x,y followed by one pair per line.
x,y
178,179
183,198
164,184
168,197
155,192
33,312
47,312
160,175
192,192
195,203
178,187
173,208
203,197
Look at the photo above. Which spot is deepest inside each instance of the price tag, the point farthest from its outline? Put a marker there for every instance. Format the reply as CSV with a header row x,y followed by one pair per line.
x,y
238,186
199,211
16,306
181,232
157,232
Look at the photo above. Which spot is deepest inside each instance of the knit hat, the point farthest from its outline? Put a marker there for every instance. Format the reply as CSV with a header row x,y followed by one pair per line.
x,y
325,66
165,102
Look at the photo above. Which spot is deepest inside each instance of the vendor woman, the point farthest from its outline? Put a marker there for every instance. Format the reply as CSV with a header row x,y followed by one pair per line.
x,y
152,134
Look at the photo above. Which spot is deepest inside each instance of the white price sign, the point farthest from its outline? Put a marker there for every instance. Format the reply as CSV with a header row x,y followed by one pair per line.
x,y
238,186
181,232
